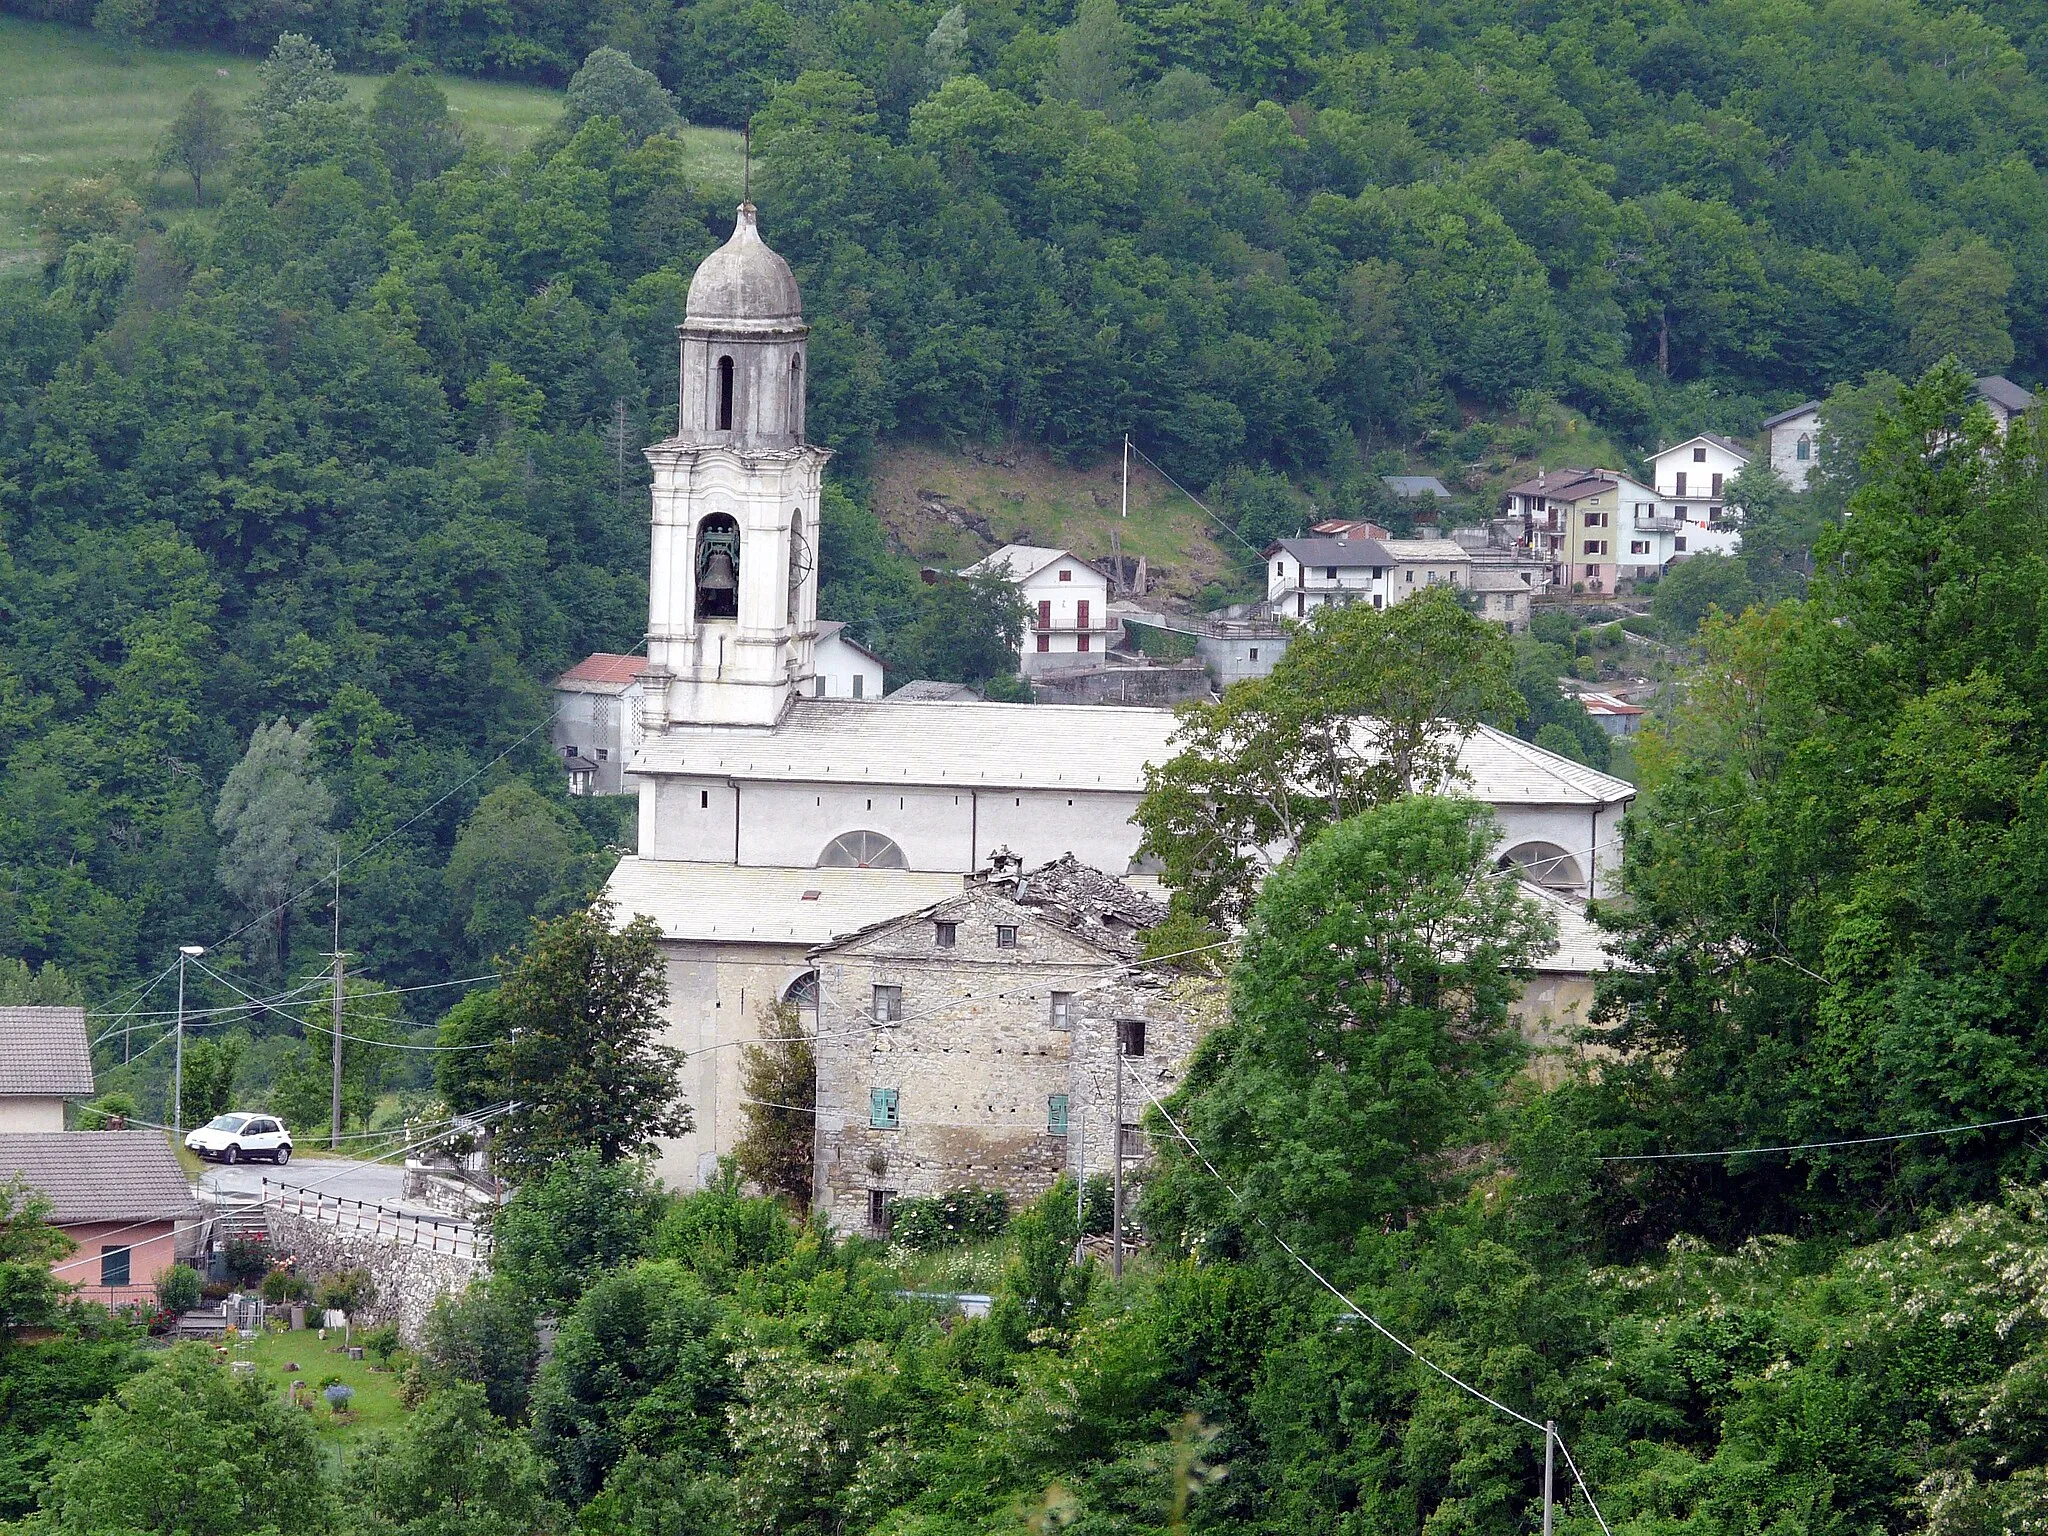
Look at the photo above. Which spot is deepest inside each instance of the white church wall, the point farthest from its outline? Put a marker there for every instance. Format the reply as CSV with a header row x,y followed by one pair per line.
x,y
690,819
716,992
1040,825
790,824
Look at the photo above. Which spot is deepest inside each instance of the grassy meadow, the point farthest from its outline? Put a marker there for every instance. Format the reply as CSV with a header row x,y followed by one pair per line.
x,y
72,106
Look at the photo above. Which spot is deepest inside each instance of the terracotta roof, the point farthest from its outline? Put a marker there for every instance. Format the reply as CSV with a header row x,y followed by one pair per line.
x,y
100,1175
1348,528
1609,704
43,1053
604,668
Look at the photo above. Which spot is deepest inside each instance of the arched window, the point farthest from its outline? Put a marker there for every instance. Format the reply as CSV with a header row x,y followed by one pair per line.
x,y
1805,449
799,567
802,993
861,850
718,568
1544,864
725,394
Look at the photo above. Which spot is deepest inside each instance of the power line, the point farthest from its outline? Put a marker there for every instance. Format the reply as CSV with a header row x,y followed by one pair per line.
x,y
1356,1310
1820,1146
371,847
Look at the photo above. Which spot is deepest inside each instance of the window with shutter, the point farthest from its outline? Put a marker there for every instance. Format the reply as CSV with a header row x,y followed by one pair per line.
x,y
1045,613
888,1005
1056,1115
882,1104
1081,614
1063,1010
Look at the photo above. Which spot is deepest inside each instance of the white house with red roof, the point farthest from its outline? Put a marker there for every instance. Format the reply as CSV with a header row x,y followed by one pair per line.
x,y
597,721
1066,604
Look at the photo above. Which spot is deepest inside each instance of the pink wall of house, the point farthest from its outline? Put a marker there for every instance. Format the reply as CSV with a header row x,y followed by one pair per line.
x,y
152,1249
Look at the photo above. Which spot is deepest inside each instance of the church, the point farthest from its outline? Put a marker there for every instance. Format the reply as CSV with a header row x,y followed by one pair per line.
x,y
772,821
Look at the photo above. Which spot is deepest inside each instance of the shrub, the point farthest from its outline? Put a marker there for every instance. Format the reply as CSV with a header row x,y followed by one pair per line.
x,y
382,1342
247,1260
281,1286
346,1290
178,1289
937,1221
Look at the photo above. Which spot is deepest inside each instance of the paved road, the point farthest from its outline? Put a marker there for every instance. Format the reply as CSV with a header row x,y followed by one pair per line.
x,y
340,1176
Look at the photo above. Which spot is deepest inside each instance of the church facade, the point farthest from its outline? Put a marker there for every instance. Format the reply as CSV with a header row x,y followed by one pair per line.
x,y
772,821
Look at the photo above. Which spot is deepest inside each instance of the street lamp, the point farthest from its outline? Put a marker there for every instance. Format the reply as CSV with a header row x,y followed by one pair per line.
x,y
185,952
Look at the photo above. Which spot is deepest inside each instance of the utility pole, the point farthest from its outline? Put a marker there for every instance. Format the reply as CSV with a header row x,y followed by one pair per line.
x,y
185,952
334,1097
1116,1131
1549,1461
1127,475
340,969
1080,1181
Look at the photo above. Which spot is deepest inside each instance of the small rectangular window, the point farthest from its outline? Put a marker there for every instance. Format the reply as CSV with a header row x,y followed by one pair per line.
x,y
1081,642
1063,1010
878,1211
1066,575
1699,455
1255,653
604,754
569,750
1329,573
1411,578
1006,936
1056,1115
888,1005
882,1106
1679,543
818,688
1130,1036
703,799
859,685
1045,642
945,934
114,1268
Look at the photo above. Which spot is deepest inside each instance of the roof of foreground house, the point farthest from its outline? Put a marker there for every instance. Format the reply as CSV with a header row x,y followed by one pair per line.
x,y
43,1053
94,1176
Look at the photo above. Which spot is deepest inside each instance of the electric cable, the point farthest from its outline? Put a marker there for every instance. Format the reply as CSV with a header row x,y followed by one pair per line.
x,y
1356,1310
1821,1146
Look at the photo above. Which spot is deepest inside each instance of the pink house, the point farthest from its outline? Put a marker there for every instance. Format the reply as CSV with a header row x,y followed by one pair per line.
x,y
119,1195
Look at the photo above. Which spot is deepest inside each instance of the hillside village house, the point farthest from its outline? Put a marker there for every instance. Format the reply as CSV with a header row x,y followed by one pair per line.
x,y
119,1195
846,668
1691,478
972,1041
1792,443
1303,575
1596,529
772,821
1066,606
597,719
2004,399
44,1062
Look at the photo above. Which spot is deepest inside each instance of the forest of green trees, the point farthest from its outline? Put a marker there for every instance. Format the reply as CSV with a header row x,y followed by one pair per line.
x,y
1772,1259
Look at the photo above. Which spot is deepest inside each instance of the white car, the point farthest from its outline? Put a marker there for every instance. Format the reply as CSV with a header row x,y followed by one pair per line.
x,y
230,1138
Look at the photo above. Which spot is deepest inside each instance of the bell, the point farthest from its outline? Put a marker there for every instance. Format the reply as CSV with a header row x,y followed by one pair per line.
x,y
719,575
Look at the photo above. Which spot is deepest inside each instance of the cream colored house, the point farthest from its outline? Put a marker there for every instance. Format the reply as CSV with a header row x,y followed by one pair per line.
x,y
44,1062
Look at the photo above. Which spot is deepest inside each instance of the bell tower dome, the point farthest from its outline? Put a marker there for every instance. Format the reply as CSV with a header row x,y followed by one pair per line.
x,y
733,589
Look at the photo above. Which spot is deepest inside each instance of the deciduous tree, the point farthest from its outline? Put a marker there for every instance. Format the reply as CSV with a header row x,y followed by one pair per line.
x,y
272,817
198,142
1368,704
584,1057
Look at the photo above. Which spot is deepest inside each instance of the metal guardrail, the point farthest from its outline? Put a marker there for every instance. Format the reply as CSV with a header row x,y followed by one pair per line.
x,y
436,1234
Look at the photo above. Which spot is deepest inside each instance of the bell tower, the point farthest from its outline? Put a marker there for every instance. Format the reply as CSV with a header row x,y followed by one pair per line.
x,y
733,589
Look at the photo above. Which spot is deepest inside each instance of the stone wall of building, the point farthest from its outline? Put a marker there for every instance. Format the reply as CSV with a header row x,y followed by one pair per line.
x,y
974,1062
408,1280
1177,1010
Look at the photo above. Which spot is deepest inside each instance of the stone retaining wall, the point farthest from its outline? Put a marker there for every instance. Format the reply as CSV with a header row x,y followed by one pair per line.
x,y
408,1280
